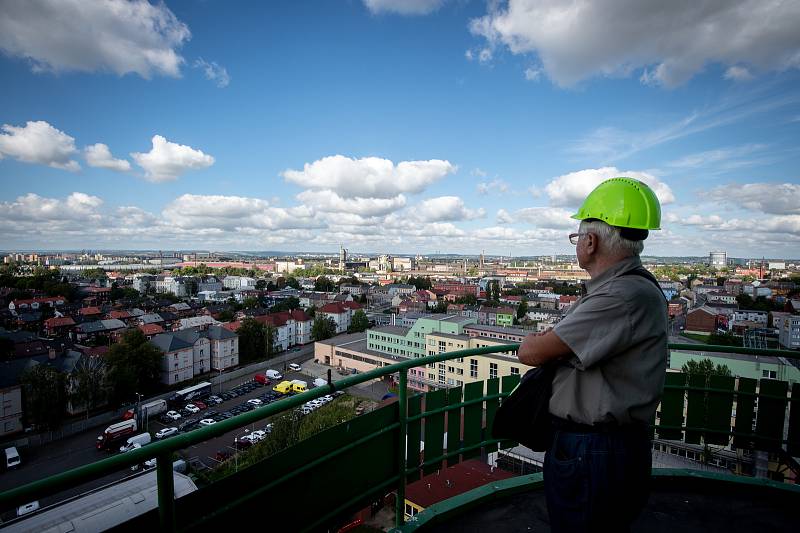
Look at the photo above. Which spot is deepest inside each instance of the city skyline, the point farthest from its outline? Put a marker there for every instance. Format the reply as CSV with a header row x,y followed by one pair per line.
x,y
410,127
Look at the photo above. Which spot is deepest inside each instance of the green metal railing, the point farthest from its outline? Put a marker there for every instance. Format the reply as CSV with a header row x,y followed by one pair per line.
x,y
380,451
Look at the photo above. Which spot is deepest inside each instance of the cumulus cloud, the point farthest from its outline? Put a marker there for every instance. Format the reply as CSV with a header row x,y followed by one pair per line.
x,y
214,72
228,213
496,184
774,198
166,161
670,42
546,217
120,36
503,217
329,201
446,208
571,189
31,207
39,142
737,73
404,7
98,155
533,74
370,177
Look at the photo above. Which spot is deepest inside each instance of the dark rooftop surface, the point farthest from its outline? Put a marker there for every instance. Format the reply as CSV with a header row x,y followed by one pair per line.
x,y
676,506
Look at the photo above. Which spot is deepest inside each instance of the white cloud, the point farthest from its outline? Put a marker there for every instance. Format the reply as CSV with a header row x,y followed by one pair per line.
x,y
234,213
774,198
167,160
700,220
485,188
404,7
533,74
581,39
446,208
715,157
737,73
214,72
98,155
503,217
33,208
39,142
571,189
478,172
329,201
114,35
546,217
370,177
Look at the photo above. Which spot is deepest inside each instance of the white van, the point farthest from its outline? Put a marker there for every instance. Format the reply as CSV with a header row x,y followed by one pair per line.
x,y
140,439
12,458
273,374
294,367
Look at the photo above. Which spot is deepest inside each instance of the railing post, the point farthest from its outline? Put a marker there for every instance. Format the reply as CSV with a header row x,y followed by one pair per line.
x,y
166,491
401,452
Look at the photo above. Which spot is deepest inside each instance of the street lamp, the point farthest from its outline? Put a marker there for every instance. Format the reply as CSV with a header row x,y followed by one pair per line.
x,y
236,455
221,370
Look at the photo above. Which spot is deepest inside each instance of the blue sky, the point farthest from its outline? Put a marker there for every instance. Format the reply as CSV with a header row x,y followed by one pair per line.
x,y
406,127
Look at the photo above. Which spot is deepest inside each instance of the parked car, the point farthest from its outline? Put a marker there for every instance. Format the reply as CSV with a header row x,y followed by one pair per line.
x,y
255,401
215,399
166,432
189,424
295,367
192,408
173,415
201,405
222,455
208,422
28,508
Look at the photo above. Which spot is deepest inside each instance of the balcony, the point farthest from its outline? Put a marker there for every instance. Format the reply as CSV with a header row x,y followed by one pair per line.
x,y
320,482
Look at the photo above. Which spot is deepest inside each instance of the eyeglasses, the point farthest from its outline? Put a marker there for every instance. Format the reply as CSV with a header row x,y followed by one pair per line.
x,y
573,237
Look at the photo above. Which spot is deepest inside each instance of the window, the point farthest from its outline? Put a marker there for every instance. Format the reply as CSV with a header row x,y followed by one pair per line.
x,y
492,370
514,371
473,368
770,374
460,371
451,369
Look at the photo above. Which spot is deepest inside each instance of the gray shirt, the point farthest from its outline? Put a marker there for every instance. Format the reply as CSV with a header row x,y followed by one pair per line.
x,y
618,335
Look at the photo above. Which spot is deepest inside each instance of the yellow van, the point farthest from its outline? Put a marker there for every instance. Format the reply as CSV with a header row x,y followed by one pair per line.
x,y
298,387
284,387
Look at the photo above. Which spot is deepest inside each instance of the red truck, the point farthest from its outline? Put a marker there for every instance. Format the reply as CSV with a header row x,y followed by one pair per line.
x,y
115,433
261,378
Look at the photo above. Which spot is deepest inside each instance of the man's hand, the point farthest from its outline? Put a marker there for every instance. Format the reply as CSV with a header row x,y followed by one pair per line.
x,y
539,348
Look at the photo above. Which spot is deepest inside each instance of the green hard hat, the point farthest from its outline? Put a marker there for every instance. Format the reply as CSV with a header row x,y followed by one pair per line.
x,y
624,203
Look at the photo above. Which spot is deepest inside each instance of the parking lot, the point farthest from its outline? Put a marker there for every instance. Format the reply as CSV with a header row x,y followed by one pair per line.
x,y
237,400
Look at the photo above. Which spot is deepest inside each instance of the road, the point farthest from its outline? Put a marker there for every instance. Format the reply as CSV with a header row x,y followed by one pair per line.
x,y
77,450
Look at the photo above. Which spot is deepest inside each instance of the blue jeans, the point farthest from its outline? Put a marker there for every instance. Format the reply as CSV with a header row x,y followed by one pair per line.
x,y
597,481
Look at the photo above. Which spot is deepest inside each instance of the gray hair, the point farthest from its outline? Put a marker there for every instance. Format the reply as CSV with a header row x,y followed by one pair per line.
x,y
612,242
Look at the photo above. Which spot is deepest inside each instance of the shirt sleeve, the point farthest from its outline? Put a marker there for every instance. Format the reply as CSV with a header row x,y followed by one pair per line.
x,y
597,329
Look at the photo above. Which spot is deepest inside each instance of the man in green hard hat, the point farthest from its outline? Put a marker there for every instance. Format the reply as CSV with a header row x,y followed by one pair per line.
x,y
611,352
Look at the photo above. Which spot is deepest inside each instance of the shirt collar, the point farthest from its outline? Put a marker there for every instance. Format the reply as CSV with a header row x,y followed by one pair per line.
x,y
612,272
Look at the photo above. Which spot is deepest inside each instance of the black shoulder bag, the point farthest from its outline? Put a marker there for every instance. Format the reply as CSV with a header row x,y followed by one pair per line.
x,y
524,415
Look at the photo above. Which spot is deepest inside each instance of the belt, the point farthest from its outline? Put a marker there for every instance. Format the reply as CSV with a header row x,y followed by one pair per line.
x,y
601,427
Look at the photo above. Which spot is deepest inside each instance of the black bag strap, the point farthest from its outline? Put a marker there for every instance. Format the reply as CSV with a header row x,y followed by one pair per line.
x,y
644,273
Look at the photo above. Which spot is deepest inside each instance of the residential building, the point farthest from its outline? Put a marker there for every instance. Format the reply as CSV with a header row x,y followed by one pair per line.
x,y
11,407
496,316
202,321
788,327
402,264
395,289
510,335
459,289
209,283
743,315
352,288
745,366
340,312
192,352
239,282
701,320
410,342
721,297
143,282
177,364
58,325
34,304
224,347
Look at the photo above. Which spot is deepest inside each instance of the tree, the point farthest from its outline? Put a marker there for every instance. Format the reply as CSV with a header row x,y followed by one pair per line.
x,y
261,284
45,396
252,342
522,309
323,328
468,299
250,302
441,307
359,322
269,339
134,365
88,390
292,282
705,366
323,284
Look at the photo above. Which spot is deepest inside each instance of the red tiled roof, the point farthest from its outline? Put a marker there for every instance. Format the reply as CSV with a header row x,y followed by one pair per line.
x,y
40,300
121,315
232,326
335,308
449,482
352,305
58,322
90,311
151,329
300,315
564,298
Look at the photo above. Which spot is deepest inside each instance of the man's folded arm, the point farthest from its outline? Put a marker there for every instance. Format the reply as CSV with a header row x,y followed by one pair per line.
x,y
536,350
